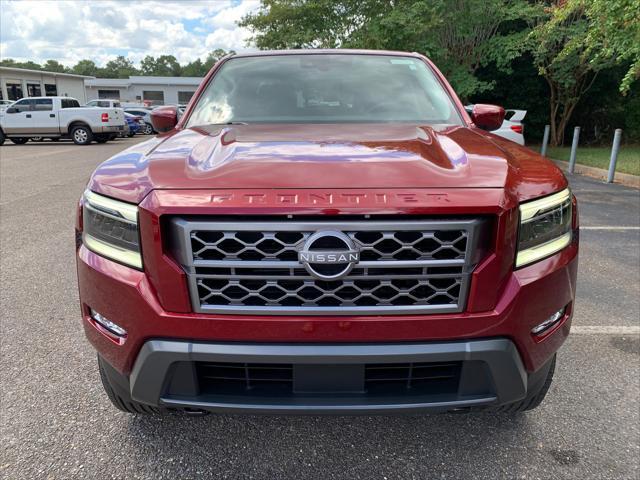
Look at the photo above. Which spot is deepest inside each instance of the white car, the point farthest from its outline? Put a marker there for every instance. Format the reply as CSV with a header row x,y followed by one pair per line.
x,y
104,103
59,117
512,127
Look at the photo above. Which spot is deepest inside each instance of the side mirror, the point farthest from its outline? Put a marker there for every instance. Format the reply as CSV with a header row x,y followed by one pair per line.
x,y
487,117
12,110
164,118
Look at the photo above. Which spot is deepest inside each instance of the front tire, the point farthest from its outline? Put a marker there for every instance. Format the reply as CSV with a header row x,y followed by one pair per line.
x,y
148,129
19,140
81,135
2,137
117,389
538,388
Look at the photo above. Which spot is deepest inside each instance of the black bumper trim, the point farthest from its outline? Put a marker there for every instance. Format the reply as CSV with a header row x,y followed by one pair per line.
x,y
150,372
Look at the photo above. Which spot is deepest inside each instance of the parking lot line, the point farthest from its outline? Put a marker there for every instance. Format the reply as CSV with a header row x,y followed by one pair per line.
x,y
605,330
31,154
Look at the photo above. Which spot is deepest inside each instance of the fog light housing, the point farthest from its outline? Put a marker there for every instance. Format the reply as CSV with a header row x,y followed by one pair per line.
x,y
549,322
105,326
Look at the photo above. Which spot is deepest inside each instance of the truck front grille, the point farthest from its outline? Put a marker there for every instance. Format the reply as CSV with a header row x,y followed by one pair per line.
x,y
254,267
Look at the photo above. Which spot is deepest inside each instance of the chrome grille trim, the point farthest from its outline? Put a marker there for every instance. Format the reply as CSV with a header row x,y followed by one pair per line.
x,y
233,270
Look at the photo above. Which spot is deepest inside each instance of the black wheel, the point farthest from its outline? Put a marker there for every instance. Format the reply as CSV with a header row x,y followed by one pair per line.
x,y
148,129
131,134
19,140
117,389
539,384
81,135
37,139
2,137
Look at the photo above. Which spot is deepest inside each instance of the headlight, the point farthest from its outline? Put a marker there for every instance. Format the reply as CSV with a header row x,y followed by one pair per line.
x,y
545,227
110,228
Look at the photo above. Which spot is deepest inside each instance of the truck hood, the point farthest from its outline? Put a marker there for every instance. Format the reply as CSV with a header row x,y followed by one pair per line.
x,y
325,156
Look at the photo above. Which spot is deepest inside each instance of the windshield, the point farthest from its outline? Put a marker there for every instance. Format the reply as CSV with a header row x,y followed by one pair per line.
x,y
336,88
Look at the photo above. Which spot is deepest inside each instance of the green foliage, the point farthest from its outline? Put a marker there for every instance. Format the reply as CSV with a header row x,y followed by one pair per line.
x,y
163,66
614,33
563,58
628,157
485,48
54,66
9,62
85,67
194,69
213,57
522,88
121,67
459,35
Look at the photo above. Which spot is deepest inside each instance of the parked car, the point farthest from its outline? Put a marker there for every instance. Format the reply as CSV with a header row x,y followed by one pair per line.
x,y
146,117
327,231
512,127
133,125
104,103
59,117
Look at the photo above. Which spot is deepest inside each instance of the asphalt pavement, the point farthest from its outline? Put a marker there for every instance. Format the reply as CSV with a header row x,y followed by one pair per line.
x,y
56,422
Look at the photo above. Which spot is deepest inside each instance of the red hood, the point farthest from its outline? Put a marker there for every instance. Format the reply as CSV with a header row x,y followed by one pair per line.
x,y
326,156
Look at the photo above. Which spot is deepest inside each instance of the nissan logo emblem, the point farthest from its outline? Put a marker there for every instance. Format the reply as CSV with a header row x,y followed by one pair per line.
x,y
329,255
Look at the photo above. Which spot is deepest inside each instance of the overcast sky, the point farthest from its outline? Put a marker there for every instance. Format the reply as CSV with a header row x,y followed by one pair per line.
x,y
69,31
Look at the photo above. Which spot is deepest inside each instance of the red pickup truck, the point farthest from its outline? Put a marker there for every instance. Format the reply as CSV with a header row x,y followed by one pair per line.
x,y
326,231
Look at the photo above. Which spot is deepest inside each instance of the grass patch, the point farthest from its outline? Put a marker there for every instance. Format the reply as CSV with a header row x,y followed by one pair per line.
x,y
628,157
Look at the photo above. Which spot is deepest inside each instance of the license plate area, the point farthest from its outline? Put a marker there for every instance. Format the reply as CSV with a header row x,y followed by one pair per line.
x,y
328,379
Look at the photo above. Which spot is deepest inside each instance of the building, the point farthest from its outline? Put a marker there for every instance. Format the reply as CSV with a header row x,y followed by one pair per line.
x,y
147,90
16,83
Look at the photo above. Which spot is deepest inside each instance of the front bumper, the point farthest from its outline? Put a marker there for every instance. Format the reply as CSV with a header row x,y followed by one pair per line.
x,y
112,129
153,306
489,372
531,295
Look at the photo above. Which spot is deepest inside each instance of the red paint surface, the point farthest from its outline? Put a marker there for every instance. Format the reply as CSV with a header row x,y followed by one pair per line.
x,y
336,170
489,117
164,118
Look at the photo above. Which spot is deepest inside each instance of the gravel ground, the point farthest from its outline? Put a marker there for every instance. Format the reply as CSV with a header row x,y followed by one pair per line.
x,y
57,423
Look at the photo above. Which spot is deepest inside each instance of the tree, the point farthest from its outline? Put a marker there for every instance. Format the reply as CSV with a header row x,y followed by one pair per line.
x,y
163,66
54,66
9,62
194,69
459,35
614,33
121,67
213,57
85,67
561,54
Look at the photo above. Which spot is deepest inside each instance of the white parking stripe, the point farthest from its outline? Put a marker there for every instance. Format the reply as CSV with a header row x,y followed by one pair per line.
x,y
609,228
605,330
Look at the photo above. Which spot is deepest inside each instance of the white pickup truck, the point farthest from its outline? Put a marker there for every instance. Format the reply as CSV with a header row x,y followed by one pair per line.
x,y
59,117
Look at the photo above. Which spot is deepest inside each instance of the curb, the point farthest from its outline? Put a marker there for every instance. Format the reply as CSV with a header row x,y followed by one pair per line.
x,y
625,179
